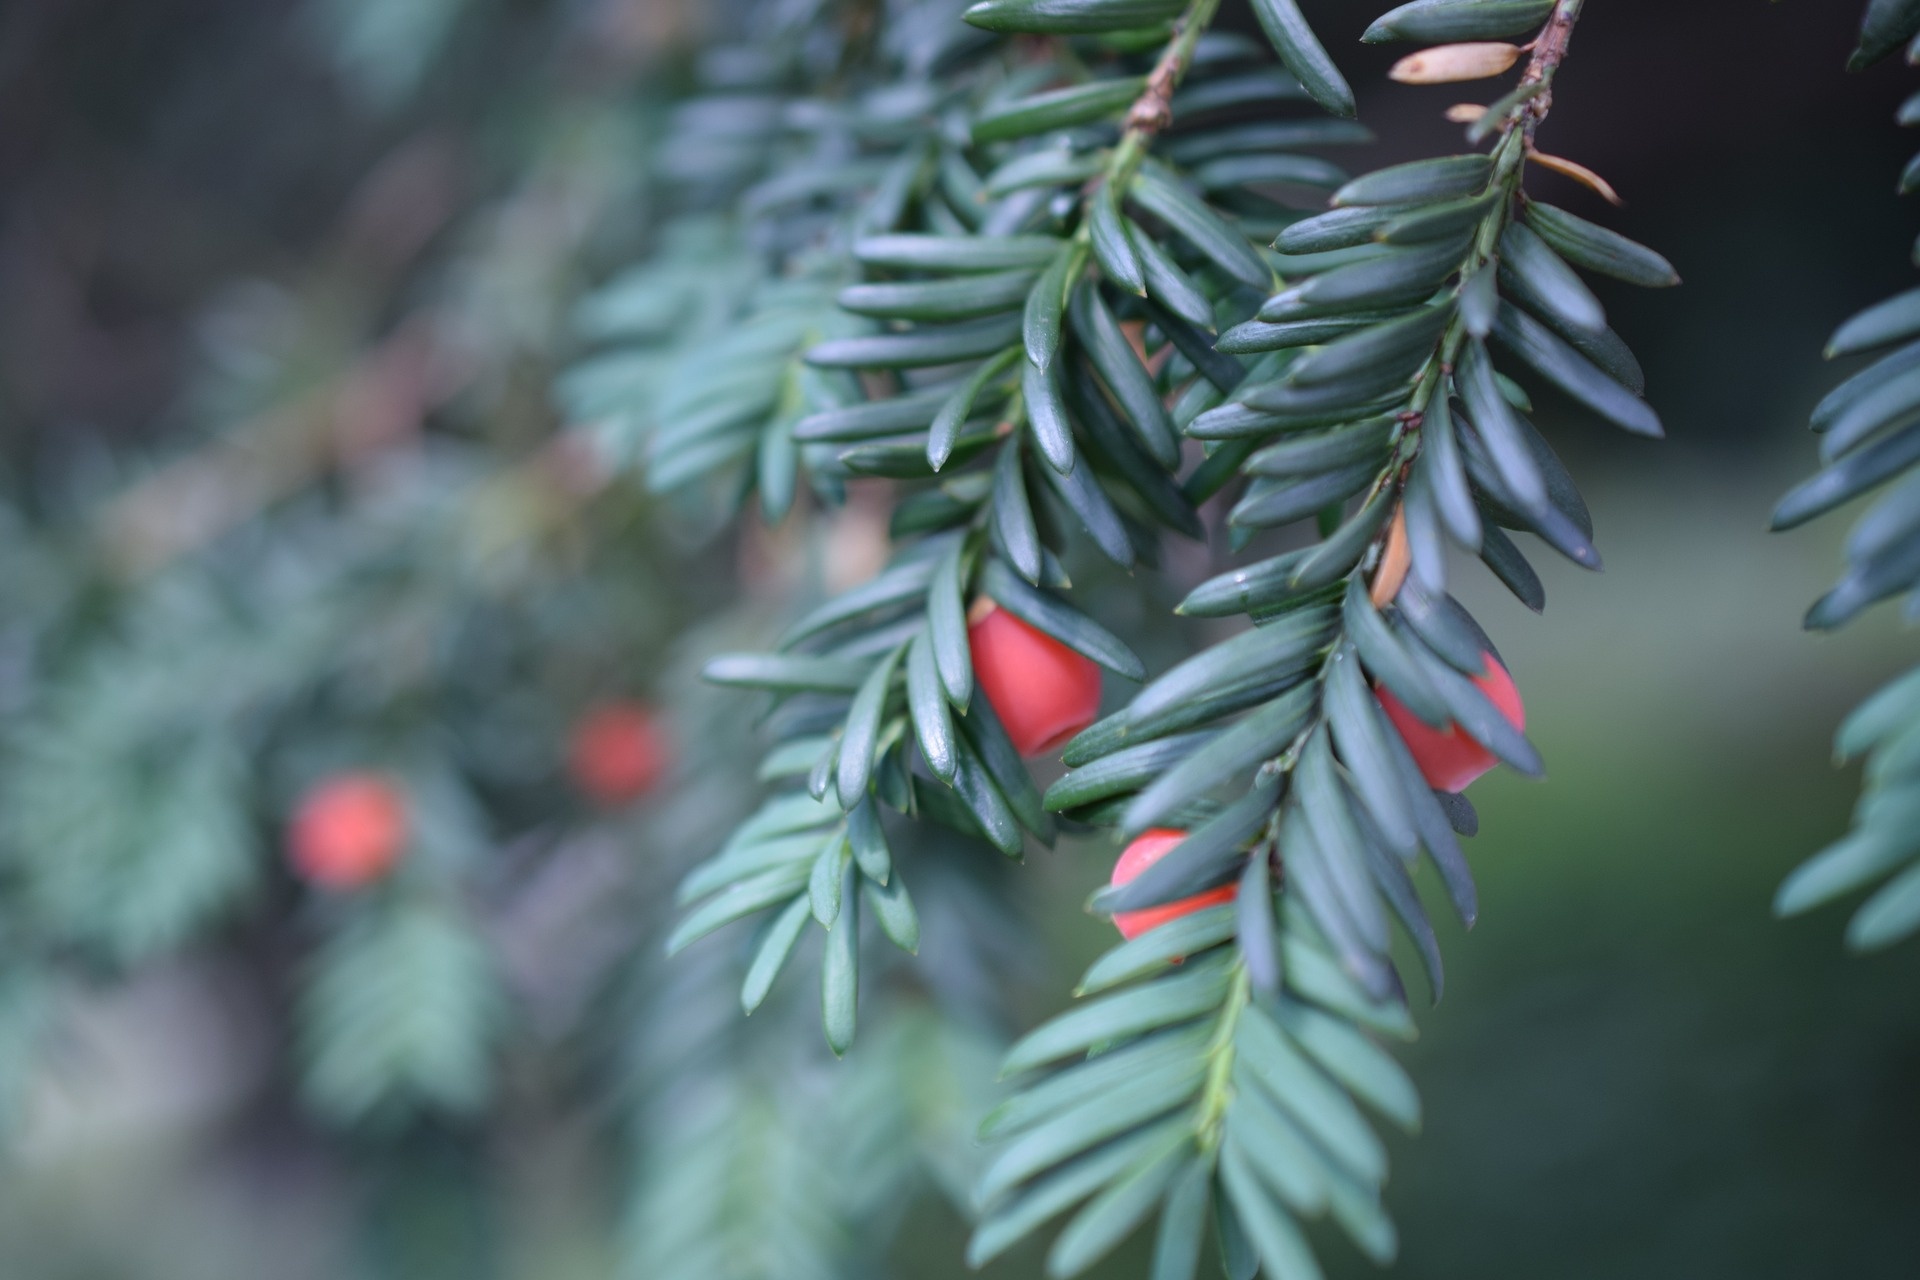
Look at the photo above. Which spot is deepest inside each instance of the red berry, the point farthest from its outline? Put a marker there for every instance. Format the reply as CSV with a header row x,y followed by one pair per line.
x,y
619,753
1043,692
1147,849
1449,760
348,831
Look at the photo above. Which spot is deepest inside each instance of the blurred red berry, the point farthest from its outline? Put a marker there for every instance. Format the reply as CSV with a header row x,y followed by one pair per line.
x,y
1449,760
618,753
1043,692
1148,848
348,831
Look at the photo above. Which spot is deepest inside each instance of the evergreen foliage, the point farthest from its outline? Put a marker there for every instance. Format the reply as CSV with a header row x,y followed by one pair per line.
x,y
1057,284
401,1010
1052,274
1869,439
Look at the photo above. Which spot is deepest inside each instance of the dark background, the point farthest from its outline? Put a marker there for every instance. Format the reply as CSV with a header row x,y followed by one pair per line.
x,y
1636,1071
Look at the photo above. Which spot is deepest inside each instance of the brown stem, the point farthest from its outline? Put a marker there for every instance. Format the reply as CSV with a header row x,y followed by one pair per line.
x,y
1152,111
1548,52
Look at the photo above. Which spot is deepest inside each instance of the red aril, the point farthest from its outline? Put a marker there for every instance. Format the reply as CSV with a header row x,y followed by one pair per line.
x,y
348,831
1148,848
618,753
1043,692
1449,760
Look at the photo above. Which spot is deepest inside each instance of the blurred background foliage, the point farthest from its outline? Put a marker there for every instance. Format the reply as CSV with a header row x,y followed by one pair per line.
x,y
282,286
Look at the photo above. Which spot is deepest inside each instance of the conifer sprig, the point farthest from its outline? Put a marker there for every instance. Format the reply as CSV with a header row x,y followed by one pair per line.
x,y
1002,376
1869,439
1241,1032
1065,286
